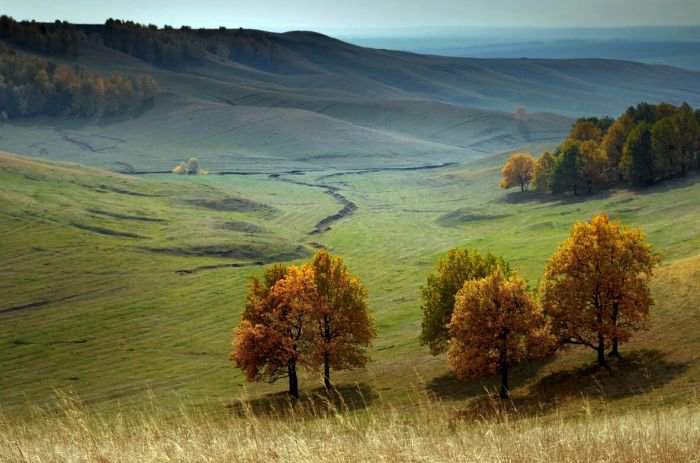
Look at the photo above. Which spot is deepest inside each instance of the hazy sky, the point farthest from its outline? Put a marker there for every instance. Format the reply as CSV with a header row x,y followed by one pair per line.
x,y
349,15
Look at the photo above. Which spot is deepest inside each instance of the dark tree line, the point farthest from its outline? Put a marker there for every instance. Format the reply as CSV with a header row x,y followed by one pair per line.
x,y
645,145
60,37
31,86
165,47
174,48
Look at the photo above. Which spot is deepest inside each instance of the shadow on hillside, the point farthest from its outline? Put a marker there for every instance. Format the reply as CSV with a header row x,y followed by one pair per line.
x,y
690,179
524,197
311,404
449,387
636,373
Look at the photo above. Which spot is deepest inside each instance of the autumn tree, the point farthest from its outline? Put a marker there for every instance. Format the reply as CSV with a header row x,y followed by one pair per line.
x,y
451,271
272,340
31,86
341,324
495,325
595,289
307,316
518,170
542,171
592,165
614,144
585,130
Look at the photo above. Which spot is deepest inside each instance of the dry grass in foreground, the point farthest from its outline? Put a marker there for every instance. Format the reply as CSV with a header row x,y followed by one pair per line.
x,y
422,431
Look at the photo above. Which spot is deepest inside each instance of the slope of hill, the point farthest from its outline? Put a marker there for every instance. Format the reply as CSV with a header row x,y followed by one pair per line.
x,y
114,286
326,103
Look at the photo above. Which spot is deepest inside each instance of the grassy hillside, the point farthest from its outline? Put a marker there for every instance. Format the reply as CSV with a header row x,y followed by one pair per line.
x,y
115,286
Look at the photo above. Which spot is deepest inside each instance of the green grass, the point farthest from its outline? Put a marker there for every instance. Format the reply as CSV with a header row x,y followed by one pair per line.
x,y
101,313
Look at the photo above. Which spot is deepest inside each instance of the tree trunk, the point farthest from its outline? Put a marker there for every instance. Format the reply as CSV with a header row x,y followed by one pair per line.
x,y
505,392
327,372
601,351
293,381
614,352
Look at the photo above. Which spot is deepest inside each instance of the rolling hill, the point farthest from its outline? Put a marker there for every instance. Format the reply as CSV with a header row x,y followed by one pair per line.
x,y
307,101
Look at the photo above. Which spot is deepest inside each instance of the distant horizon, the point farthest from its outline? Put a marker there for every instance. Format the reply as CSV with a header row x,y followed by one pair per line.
x,y
376,17
392,32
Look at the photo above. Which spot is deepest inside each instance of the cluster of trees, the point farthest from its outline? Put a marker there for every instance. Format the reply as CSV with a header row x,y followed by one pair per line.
x,y
167,47
59,37
163,47
595,293
175,48
31,86
313,315
645,145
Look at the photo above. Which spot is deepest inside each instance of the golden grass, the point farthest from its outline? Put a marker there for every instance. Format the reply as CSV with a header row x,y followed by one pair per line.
x,y
325,430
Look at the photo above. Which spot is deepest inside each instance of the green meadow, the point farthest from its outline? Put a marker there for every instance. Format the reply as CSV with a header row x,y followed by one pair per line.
x,y
125,289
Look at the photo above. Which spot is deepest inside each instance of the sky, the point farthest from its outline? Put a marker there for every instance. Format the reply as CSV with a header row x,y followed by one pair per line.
x,y
379,16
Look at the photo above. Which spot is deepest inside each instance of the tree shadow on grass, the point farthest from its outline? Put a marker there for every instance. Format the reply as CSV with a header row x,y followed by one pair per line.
x,y
535,197
315,403
636,373
449,387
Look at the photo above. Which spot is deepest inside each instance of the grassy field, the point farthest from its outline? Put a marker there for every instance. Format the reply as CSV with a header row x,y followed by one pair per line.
x,y
428,431
118,287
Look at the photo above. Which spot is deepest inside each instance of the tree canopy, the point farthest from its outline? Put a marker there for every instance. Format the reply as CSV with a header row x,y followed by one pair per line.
x,y
518,171
647,144
313,315
342,325
31,86
451,271
595,289
496,324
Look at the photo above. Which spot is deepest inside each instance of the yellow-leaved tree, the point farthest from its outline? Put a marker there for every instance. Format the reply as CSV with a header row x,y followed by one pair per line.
x,y
342,326
451,271
518,170
595,289
496,324
543,169
272,339
311,315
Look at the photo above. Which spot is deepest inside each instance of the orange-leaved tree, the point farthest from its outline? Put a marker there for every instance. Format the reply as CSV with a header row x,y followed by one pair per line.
x,y
342,326
272,340
518,170
596,288
451,271
496,324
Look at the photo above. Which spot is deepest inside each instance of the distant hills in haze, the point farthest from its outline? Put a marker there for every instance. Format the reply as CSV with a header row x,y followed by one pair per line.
x,y
255,100
674,46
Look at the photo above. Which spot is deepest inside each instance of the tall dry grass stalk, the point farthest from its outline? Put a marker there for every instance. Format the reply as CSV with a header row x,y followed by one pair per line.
x,y
323,429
